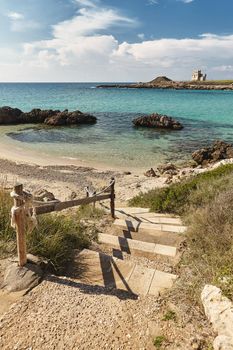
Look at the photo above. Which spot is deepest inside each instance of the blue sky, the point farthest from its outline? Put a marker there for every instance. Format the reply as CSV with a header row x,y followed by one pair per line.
x,y
101,40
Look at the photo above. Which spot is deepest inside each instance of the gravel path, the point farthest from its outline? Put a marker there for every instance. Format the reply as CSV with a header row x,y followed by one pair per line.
x,y
62,314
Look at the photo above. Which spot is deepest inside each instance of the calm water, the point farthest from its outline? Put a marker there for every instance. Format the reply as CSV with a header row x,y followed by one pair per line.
x,y
206,115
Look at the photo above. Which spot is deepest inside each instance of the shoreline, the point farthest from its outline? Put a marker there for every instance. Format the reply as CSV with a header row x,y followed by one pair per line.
x,y
9,151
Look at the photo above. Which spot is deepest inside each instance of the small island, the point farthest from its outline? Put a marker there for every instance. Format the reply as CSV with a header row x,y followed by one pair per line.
x,y
198,82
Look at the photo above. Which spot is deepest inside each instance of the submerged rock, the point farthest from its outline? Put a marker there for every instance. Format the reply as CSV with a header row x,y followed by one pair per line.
x,y
218,151
50,117
158,121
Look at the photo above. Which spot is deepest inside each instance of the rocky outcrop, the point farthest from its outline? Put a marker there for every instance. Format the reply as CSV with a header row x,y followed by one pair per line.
x,y
219,311
218,151
50,117
10,115
70,118
158,121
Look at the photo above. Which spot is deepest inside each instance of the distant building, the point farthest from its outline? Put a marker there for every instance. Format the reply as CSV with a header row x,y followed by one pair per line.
x,y
198,76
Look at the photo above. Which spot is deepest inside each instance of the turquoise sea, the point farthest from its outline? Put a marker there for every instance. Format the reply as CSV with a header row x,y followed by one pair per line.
x,y
206,116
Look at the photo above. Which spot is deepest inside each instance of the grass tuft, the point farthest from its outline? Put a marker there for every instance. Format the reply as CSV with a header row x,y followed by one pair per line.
x,y
159,341
169,316
55,238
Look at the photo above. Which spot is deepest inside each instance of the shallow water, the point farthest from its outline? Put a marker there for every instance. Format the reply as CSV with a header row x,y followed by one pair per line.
x,y
206,115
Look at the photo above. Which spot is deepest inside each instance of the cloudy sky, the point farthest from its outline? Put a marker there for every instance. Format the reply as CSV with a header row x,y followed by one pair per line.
x,y
114,40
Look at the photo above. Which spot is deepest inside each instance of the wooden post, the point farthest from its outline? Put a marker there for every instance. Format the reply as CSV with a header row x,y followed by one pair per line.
x,y
20,225
112,204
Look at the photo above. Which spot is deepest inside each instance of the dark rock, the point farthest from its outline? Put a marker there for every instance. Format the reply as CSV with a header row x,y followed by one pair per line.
x,y
50,117
70,118
150,173
38,116
127,173
10,115
73,195
168,169
218,151
158,121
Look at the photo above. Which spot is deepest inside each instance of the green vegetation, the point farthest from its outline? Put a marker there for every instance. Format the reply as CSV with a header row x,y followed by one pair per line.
x,y
159,341
193,192
206,203
210,254
169,315
55,238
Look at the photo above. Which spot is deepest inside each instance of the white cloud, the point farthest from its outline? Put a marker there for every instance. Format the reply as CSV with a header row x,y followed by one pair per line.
x,y
18,22
224,68
153,2
82,49
187,1
15,16
141,36
87,3
90,21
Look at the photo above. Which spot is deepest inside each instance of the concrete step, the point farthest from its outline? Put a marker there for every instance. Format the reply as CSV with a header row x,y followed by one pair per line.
x,y
104,270
135,247
137,226
158,237
147,217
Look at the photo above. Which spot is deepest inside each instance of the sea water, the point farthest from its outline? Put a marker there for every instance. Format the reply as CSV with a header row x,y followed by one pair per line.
x,y
114,141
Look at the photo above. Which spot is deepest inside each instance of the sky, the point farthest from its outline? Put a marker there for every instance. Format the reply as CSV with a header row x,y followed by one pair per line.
x,y
114,40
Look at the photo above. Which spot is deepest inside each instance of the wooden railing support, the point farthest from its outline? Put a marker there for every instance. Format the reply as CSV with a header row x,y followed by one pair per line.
x,y
20,224
112,198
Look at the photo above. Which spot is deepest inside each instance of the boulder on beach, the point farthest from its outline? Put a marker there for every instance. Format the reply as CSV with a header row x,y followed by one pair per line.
x,y
51,117
158,121
218,151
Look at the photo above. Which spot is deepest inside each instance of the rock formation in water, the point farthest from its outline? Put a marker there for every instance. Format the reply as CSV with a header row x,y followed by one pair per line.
x,y
158,121
50,117
218,151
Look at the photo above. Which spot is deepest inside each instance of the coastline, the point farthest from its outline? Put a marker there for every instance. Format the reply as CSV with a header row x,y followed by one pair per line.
x,y
66,178
172,85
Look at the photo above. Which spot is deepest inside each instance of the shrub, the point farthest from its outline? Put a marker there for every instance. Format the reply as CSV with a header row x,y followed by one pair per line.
x,y
193,192
210,241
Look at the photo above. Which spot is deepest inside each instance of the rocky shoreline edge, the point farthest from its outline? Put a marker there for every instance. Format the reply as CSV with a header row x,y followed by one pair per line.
x,y
9,116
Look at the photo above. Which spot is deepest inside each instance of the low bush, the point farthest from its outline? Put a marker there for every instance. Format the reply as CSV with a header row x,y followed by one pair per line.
x,y
193,192
209,257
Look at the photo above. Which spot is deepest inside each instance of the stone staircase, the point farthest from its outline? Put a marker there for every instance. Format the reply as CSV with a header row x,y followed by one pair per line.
x,y
135,232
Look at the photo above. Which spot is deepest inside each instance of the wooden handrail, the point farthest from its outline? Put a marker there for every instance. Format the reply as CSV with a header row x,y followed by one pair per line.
x,y
19,211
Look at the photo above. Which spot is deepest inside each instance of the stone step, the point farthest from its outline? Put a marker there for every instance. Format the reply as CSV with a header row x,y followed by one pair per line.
x,y
151,218
140,248
158,237
146,216
104,270
136,226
